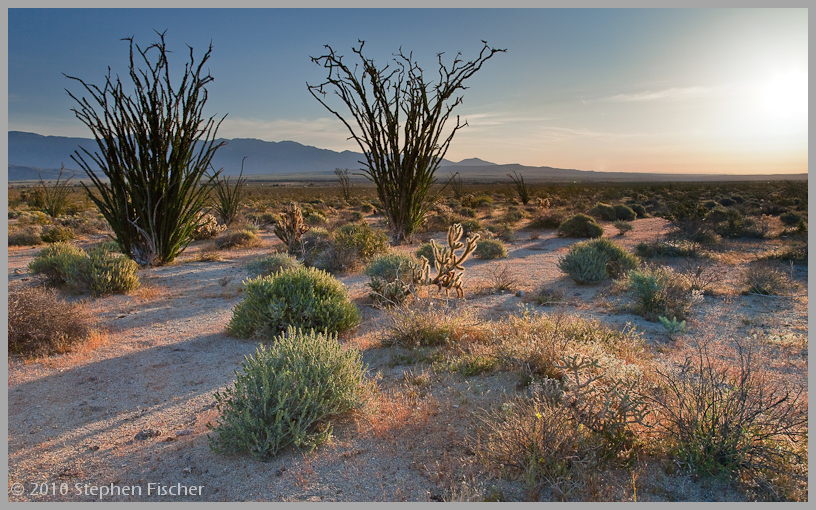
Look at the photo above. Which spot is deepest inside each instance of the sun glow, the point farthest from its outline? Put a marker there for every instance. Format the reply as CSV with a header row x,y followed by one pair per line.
x,y
785,97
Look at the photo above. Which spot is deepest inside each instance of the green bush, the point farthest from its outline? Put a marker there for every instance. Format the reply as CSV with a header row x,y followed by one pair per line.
x,y
59,263
489,249
580,225
549,219
354,244
392,277
593,261
243,238
107,272
637,208
57,234
503,231
101,271
659,291
622,226
313,244
603,212
305,298
271,264
288,394
426,250
790,219
671,248
625,213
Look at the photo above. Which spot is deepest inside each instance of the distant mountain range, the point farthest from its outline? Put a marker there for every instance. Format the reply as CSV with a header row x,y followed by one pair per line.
x,y
31,155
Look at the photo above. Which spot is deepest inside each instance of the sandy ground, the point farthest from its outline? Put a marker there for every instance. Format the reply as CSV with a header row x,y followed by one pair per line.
x,y
133,412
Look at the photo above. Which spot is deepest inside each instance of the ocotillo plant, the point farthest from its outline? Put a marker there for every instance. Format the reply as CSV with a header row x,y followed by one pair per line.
x,y
291,228
447,263
55,198
399,119
153,151
521,187
228,198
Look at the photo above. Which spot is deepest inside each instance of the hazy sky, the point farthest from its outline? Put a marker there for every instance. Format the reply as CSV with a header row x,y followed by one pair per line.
x,y
663,90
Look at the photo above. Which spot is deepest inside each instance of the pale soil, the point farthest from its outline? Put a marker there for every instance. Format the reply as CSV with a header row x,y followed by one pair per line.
x,y
77,418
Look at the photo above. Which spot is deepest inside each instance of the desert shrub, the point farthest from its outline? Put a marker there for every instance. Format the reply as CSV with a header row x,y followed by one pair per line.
x,y
637,208
243,238
313,244
29,236
726,419
659,291
702,274
623,212
550,219
490,249
352,245
60,263
623,226
548,296
356,216
361,239
288,394
271,264
514,214
596,260
393,277
207,227
57,234
603,212
33,218
428,323
109,272
766,279
537,441
314,218
503,231
368,208
726,202
469,226
426,250
468,212
717,215
41,323
790,219
668,248
305,298
580,225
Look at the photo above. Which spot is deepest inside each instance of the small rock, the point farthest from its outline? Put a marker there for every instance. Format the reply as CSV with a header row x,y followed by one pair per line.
x,y
187,470
184,432
520,294
147,433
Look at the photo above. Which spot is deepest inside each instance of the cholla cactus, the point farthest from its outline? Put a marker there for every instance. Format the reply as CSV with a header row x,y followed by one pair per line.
x,y
447,263
207,227
291,228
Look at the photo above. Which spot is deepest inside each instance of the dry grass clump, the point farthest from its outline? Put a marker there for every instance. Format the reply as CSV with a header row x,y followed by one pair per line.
x,y
40,323
429,322
244,238
768,280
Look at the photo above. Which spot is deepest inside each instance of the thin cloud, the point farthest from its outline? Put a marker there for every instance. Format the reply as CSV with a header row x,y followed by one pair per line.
x,y
670,94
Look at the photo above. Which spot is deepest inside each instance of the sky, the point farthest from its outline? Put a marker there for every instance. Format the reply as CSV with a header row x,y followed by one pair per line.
x,y
626,90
